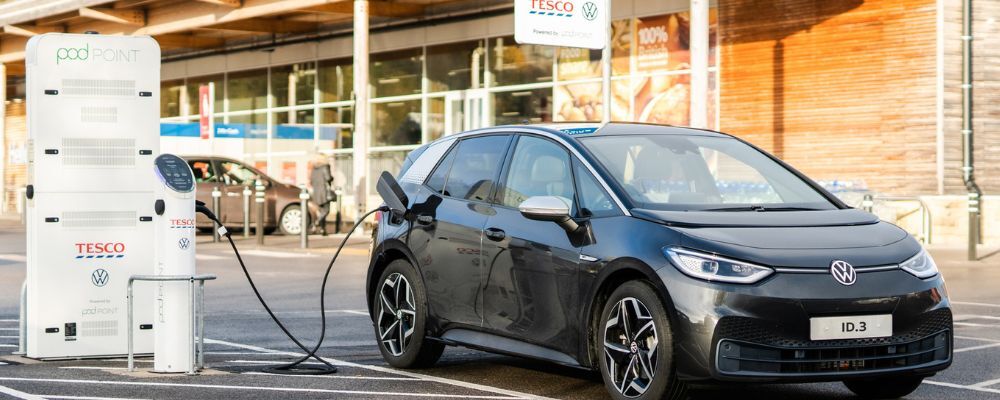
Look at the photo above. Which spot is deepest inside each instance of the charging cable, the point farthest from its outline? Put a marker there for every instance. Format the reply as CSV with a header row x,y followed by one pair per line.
x,y
296,366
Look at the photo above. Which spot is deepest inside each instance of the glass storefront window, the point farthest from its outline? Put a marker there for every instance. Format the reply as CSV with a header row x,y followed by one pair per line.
x,y
435,118
292,85
247,90
578,63
380,161
663,99
192,86
336,80
533,106
293,124
170,98
396,73
336,129
513,63
621,46
396,123
579,102
449,66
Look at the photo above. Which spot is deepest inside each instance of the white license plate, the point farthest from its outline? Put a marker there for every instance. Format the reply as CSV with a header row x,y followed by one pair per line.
x,y
853,327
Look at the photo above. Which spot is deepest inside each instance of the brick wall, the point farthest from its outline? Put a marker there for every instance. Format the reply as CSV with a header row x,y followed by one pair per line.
x,y
840,89
16,134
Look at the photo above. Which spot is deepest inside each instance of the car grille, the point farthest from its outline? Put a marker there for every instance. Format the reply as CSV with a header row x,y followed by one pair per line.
x,y
753,347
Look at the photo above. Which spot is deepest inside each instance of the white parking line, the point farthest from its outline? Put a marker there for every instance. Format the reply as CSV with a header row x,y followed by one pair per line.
x,y
990,382
977,338
85,398
261,388
980,347
9,329
976,325
966,387
98,368
9,345
19,394
965,317
447,381
236,353
375,378
9,337
8,320
969,303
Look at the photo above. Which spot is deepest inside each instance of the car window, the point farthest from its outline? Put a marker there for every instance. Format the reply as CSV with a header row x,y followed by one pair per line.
x,y
475,167
234,173
203,171
594,201
539,167
440,175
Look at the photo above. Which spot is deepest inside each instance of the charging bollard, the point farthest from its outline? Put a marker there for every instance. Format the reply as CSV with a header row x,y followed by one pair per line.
x,y
246,211
259,199
175,250
216,204
304,221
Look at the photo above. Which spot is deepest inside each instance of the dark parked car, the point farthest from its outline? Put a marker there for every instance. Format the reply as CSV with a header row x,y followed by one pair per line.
x,y
282,212
657,255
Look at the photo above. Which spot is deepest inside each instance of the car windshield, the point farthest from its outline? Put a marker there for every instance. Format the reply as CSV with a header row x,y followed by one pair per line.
x,y
701,173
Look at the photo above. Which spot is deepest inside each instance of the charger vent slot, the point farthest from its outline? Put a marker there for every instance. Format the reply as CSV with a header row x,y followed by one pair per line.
x,y
98,219
98,87
99,328
106,114
99,152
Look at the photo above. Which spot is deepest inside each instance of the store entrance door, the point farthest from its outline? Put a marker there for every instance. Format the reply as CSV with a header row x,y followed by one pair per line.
x,y
466,110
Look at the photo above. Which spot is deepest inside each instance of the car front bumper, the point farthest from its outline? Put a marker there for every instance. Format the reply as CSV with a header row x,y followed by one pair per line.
x,y
761,332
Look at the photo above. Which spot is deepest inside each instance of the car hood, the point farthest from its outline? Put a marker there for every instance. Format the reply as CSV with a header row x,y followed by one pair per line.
x,y
806,239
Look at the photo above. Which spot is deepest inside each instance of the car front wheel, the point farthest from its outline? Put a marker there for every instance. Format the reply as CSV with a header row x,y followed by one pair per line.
x,y
400,306
635,345
290,222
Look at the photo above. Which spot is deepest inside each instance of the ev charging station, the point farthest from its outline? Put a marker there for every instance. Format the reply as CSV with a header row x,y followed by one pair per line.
x,y
92,115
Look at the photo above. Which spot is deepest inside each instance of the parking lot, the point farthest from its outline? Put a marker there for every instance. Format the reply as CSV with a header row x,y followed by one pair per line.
x,y
241,341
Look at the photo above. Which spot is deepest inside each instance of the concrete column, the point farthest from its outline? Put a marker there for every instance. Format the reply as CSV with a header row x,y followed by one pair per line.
x,y
606,67
361,134
3,137
699,63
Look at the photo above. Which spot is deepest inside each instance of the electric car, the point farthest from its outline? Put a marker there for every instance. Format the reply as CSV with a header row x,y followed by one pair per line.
x,y
660,256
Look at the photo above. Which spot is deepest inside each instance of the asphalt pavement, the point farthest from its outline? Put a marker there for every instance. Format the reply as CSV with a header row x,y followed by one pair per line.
x,y
241,341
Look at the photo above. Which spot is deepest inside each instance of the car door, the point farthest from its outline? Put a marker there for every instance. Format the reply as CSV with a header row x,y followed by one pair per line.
x,y
206,179
234,176
449,222
531,288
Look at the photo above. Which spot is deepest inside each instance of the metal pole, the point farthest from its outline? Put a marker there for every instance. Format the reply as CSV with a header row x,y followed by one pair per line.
x,y
201,324
606,68
22,337
192,369
304,221
216,200
337,220
246,211
128,327
968,171
699,63
868,203
259,199
361,134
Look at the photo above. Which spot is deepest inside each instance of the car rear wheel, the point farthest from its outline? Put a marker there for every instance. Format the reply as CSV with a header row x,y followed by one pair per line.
x,y
884,388
400,306
636,346
290,222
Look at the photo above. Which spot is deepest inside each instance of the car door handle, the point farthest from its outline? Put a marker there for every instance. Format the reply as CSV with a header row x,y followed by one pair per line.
x,y
495,234
425,219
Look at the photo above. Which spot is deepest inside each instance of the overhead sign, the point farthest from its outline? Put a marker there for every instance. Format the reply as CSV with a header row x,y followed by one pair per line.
x,y
567,23
204,108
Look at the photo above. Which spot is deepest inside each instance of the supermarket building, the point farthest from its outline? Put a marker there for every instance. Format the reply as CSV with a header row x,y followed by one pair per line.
x,y
862,95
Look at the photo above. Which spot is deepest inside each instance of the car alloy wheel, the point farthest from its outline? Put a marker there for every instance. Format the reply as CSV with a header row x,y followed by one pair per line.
x,y
291,221
397,314
630,344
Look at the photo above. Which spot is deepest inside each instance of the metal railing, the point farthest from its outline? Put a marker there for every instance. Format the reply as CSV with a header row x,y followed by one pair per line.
x,y
197,316
926,223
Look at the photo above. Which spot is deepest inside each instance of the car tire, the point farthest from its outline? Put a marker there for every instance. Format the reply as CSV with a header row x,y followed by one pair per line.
x,y
400,316
290,222
884,388
636,352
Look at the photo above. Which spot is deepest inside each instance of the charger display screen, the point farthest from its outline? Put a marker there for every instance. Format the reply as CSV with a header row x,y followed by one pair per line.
x,y
175,173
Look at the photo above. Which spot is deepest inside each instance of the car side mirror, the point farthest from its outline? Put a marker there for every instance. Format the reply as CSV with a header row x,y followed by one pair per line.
x,y
549,208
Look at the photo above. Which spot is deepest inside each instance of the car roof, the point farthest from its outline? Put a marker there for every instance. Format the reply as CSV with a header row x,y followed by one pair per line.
x,y
571,131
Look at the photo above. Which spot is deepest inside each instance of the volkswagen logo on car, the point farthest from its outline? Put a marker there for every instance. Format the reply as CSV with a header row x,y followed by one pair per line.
x,y
843,272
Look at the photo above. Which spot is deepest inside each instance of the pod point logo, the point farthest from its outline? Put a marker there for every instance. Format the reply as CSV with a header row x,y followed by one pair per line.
x,y
99,277
843,272
589,11
85,53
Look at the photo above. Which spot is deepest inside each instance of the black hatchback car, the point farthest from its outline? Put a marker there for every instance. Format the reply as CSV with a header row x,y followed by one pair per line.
x,y
659,256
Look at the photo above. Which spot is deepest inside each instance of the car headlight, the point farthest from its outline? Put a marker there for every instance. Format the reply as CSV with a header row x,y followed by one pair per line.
x,y
714,268
921,265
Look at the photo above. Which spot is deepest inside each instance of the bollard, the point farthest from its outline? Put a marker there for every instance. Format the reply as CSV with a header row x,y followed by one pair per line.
x,y
22,324
216,200
259,199
868,203
22,204
246,210
337,219
304,221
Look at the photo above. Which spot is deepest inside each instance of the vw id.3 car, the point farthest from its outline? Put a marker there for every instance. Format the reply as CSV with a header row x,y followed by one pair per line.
x,y
659,256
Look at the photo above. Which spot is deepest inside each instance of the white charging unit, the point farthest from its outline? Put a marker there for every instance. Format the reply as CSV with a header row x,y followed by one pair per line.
x,y
175,229
93,128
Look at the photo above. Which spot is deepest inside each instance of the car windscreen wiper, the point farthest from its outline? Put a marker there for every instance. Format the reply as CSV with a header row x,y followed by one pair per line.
x,y
760,208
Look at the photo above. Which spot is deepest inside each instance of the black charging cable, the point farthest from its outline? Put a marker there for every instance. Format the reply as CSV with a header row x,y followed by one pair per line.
x,y
296,366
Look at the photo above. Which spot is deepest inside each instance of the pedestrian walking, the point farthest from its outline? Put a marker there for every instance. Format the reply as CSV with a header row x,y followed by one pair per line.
x,y
321,180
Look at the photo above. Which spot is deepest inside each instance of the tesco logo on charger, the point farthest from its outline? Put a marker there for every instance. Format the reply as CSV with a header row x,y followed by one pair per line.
x,y
552,5
100,250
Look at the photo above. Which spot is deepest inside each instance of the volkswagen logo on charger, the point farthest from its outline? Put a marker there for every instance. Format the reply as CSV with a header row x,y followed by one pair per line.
x,y
843,272
589,11
99,277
